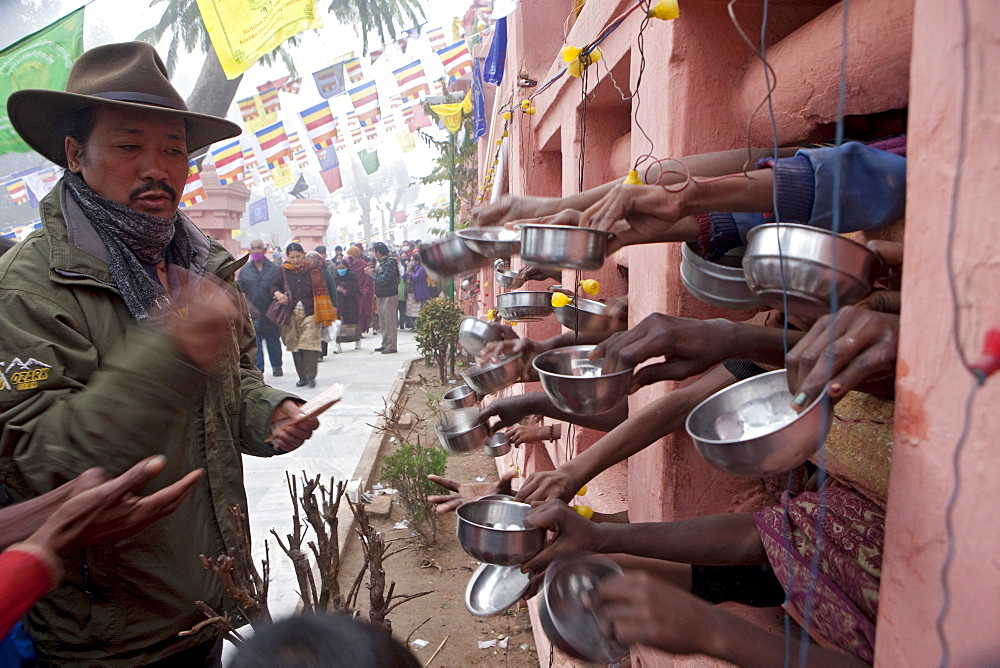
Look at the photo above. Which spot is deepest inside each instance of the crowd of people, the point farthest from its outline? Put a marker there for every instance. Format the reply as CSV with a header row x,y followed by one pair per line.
x,y
357,281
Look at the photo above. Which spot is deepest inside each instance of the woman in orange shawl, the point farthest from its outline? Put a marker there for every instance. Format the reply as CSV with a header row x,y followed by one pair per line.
x,y
310,291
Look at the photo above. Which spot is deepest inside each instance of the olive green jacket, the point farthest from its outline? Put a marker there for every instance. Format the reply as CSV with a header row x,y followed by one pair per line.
x,y
82,384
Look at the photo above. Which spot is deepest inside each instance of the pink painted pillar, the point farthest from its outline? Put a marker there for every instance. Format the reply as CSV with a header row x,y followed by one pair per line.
x,y
932,386
308,220
219,215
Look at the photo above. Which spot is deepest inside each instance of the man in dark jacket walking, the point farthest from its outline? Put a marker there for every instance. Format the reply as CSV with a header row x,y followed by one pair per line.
x,y
386,276
255,279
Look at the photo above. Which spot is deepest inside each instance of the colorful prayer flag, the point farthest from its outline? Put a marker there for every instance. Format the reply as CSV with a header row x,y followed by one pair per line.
x,y
456,59
228,159
376,54
329,166
353,68
255,114
242,31
194,189
269,99
40,60
364,98
250,166
412,82
330,80
18,191
416,118
274,147
320,125
369,160
407,142
299,151
436,38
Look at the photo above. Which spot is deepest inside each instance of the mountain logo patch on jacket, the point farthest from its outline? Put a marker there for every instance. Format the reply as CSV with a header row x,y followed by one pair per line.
x,y
23,375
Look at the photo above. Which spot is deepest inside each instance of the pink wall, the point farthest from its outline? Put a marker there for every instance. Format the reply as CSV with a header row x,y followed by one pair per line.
x,y
932,385
700,86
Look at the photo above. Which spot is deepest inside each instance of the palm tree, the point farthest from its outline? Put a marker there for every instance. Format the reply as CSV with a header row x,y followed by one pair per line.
x,y
213,92
380,15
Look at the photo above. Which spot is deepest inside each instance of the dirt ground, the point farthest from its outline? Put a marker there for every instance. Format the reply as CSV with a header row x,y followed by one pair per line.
x,y
444,568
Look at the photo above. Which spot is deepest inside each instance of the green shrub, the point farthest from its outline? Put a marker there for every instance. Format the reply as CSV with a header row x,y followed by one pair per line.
x,y
437,333
406,470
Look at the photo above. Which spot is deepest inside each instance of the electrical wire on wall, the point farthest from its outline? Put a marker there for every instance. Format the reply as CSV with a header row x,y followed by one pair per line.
x,y
978,375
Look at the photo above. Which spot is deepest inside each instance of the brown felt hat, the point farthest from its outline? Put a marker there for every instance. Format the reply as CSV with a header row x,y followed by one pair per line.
x,y
131,75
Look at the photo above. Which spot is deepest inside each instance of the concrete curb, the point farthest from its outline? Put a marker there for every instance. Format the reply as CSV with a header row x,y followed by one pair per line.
x,y
365,469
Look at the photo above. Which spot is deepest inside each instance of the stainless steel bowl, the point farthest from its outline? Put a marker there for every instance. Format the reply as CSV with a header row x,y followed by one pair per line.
x,y
576,385
818,265
563,246
567,623
461,431
750,428
474,334
524,306
462,396
493,589
584,315
450,257
497,446
509,546
507,279
721,283
490,378
492,241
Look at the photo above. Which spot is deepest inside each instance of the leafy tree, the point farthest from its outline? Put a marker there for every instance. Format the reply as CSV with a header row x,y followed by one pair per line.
x,y
456,165
437,332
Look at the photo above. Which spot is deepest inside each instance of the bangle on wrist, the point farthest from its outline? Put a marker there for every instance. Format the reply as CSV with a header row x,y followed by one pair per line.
x,y
552,438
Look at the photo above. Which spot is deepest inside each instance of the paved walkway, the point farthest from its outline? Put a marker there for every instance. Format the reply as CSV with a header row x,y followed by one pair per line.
x,y
334,449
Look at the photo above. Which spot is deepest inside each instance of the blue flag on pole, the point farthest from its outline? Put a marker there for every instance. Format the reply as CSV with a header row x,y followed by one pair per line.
x,y
478,102
493,65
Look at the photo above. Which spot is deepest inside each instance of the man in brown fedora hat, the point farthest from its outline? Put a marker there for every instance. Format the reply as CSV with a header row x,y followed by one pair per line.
x,y
123,336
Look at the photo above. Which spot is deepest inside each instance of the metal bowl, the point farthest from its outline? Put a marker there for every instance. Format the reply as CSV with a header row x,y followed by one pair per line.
x,y
493,589
524,306
721,283
567,623
462,396
504,547
497,446
474,334
450,257
490,378
508,279
750,428
563,246
461,431
818,265
492,241
576,385
584,315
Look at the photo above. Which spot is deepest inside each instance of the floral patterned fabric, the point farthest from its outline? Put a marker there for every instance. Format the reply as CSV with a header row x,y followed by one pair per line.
x,y
842,599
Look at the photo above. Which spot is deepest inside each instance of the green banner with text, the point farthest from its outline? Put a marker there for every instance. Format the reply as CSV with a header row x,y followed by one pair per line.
x,y
41,60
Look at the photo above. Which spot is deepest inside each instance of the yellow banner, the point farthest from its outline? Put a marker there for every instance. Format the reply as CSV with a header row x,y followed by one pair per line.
x,y
282,175
451,114
244,30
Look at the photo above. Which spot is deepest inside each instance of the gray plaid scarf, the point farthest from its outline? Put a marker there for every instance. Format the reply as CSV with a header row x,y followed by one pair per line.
x,y
133,238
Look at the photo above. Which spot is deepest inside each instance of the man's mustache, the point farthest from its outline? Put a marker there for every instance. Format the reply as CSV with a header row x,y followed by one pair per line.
x,y
151,187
